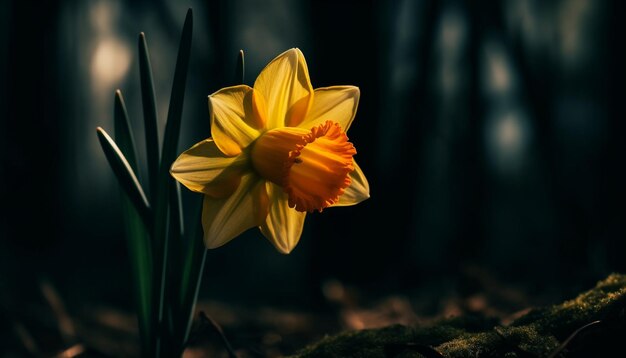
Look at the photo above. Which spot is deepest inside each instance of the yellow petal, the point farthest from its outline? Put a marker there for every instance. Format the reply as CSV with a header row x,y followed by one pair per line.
x,y
285,85
336,104
234,121
204,169
224,219
358,190
283,226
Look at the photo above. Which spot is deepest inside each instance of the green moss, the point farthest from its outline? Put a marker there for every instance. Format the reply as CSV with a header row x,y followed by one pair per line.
x,y
536,334
370,343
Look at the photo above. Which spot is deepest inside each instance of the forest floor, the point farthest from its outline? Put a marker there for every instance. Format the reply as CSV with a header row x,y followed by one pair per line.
x,y
492,319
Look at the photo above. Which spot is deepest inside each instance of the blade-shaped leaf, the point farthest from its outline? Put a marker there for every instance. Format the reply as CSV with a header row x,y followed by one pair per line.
x,y
191,275
125,175
140,252
168,154
123,132
169,345
174,270
149,112
172,128
138,240
175,112
239,69
174,248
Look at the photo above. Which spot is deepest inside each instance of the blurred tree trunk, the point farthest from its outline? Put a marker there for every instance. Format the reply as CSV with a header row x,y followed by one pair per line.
x,y
346,46
31,128
614,189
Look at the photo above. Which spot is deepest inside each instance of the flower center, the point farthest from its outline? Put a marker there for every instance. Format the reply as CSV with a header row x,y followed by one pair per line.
x,y
312,166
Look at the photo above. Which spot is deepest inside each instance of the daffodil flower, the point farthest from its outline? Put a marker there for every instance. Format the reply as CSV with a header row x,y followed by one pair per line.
x,y
277,151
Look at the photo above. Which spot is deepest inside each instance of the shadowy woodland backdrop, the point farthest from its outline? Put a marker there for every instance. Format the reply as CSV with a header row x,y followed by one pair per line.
x,y
492,133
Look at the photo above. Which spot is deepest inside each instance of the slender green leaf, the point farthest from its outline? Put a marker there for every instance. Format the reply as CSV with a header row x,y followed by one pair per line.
x,y
123,131
239,69
176,233
163,342
149,112
138,239
140,253
168,154
174,271
176,210
191,275
125,175
174,115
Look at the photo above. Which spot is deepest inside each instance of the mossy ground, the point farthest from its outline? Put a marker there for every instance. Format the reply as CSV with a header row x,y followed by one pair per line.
x,y
540,333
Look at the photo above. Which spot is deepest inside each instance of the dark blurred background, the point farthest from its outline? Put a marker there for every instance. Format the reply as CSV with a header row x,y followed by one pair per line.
x,y
491,133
